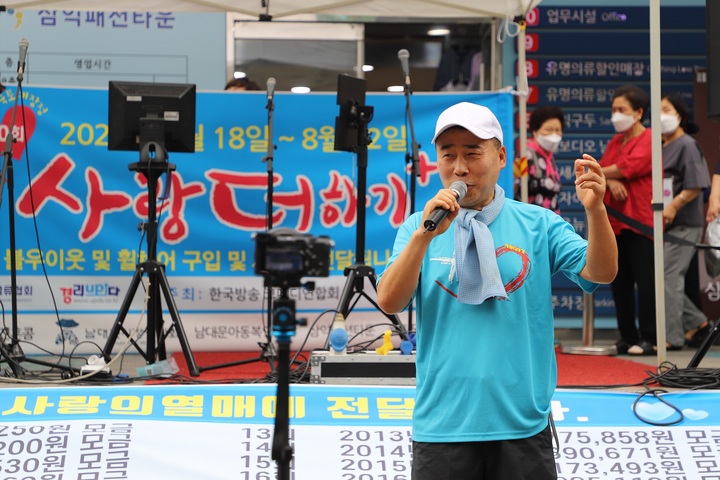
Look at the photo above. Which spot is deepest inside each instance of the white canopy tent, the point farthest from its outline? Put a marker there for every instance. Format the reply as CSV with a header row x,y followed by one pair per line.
x,y
368,10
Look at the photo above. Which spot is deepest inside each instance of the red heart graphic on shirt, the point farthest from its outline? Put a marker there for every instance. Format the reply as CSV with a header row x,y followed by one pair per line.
x,y
515,282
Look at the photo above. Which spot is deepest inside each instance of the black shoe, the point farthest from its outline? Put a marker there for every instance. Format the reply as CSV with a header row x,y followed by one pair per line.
x,y
622,347
643,348
699,337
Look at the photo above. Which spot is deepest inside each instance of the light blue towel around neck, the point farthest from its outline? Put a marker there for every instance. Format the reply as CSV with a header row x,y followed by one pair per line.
x,y
475,260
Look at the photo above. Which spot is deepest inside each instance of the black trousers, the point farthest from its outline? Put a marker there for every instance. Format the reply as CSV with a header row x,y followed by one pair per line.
x,y
523,459
636,271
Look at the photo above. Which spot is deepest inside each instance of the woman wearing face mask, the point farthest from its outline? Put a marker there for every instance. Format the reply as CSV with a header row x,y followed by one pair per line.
x,y
544,183
627,165
686,173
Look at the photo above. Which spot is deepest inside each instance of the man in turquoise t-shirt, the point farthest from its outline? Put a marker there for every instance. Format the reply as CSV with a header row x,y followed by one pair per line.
x,y
485,355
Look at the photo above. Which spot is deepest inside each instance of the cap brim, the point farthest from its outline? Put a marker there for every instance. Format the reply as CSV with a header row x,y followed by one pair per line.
x,y
478,132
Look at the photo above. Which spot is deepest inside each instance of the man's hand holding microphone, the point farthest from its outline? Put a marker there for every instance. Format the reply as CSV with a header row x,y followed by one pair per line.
x,y
444,206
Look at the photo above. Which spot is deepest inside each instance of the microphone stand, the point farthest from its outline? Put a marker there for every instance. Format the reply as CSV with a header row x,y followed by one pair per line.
x,y
269,220
266,354
12,353
414,159
269,160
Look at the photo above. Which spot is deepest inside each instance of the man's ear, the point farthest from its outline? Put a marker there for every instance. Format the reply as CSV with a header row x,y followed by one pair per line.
x,y
502,155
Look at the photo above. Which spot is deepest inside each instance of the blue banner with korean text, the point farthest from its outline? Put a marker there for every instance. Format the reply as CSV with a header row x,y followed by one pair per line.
x,y
87,204
89,208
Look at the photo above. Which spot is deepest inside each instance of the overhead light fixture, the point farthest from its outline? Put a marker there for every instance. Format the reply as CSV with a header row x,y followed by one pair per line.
x,y
239,75
367,68
395,88
438,32
300,89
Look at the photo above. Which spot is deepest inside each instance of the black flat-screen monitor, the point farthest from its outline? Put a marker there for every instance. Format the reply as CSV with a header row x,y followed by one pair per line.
x,y
351,98
142,112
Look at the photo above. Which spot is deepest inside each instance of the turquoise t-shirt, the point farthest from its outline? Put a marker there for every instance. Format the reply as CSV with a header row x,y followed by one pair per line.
x,y
488,372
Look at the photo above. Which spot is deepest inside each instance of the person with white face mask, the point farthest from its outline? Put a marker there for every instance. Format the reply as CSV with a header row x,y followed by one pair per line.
x,y
544,183
627,164
686,174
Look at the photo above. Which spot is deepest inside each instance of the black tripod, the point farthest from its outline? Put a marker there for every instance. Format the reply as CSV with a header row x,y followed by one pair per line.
x,y
351,134
283,257
153,163
12,353
266,354
707,343
284,321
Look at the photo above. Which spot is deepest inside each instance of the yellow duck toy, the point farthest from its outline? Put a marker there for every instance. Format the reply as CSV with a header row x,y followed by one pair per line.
x,y
387,345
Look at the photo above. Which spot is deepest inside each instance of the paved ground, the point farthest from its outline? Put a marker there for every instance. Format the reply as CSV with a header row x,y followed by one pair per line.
x,y
607,338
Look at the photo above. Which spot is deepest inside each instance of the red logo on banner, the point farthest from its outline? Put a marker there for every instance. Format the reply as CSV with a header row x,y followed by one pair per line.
x,y
22,131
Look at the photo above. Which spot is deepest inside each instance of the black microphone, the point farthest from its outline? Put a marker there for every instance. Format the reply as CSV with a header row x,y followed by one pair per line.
x,y
270,88
404,56
439,214
21,60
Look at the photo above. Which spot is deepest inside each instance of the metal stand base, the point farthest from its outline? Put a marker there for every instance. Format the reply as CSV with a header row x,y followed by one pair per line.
x,y
588,330
589,350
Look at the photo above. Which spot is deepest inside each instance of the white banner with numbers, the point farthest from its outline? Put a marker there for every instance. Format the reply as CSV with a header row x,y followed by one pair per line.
x,y
337,432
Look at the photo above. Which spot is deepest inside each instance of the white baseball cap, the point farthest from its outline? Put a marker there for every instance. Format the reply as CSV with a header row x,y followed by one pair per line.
x,y
477,119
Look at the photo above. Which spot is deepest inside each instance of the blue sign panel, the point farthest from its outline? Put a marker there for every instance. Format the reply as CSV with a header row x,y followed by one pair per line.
x,y
570,302
604,42
576,58
572,146
568,199
611,69
615,17
591,94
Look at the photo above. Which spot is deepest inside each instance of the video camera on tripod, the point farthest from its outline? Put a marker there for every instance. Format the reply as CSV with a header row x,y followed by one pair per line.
x,y
284,256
